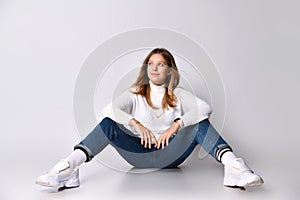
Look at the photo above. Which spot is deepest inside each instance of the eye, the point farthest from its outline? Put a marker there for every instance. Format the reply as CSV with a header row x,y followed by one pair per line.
x,y
161,65
150,64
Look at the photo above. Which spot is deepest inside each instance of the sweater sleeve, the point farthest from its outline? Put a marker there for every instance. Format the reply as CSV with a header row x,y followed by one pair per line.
x,y
120,109
193,108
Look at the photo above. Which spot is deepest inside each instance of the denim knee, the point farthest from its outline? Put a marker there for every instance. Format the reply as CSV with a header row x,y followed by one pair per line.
x,y
209,138
106,121
204,124
107,126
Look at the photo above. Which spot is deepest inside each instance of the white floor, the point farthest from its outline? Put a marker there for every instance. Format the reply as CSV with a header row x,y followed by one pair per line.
x,y
254,45
195,178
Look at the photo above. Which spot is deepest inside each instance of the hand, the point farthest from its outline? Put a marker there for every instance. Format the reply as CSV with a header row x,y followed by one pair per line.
x,y
167,134
147,137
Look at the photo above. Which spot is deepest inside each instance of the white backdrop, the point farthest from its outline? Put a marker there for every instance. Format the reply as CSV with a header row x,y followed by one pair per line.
x,y
43,44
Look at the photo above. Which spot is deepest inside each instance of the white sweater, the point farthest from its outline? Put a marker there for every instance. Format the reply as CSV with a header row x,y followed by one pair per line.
x,y
189,108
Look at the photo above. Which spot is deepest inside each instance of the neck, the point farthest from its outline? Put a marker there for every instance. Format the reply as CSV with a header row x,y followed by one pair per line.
x,y
157,88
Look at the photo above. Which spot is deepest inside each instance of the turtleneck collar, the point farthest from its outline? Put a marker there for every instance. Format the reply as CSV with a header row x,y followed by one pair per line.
x,y
157,89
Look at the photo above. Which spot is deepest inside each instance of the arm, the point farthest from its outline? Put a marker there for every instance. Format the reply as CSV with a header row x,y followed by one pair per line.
x,y
120,109
194,109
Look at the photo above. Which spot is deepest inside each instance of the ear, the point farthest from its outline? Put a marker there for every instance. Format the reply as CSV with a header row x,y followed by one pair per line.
x,y
169,71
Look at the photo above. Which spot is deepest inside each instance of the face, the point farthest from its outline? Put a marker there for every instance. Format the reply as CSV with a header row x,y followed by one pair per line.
x,y
157,69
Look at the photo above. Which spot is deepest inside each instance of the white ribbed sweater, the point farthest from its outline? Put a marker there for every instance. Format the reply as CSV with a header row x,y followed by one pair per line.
x,y
190,109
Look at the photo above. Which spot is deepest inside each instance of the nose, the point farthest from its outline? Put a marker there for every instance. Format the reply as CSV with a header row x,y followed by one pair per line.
x,y
154,67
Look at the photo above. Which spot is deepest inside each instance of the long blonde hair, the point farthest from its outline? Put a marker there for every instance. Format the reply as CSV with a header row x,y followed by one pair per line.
x,y
172,81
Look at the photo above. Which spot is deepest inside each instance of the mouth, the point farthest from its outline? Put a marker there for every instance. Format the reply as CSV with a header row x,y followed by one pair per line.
x,y
154,74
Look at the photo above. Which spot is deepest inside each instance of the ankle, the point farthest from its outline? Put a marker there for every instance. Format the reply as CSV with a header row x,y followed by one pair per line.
x,y
76,158
228,158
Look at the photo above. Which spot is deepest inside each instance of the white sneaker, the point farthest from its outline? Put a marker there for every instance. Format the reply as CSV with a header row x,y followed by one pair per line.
x,y
61,175
240,175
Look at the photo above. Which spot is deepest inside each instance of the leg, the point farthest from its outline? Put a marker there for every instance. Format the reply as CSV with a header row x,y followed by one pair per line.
x,y
66,172
123,140
185,141
236,172
208,138
129,147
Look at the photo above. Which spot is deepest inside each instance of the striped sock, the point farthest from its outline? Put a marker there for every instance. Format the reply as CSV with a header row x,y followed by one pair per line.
x,y
221,150
228,157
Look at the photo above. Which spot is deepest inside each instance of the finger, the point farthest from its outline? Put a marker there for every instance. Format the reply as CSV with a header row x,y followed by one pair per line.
x,y
146,140
158,143
154,139
167,140
163,141
142,139
151,139
150,142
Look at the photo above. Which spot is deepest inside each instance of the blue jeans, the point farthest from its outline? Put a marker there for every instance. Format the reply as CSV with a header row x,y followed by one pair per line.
x,y
129,147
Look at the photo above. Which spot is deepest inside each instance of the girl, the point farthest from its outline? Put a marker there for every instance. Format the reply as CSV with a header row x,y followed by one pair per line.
x,y
154,124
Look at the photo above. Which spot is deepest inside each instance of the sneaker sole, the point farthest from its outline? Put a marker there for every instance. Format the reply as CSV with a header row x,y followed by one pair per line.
x,y
258,182
44,184
255,183
72,183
